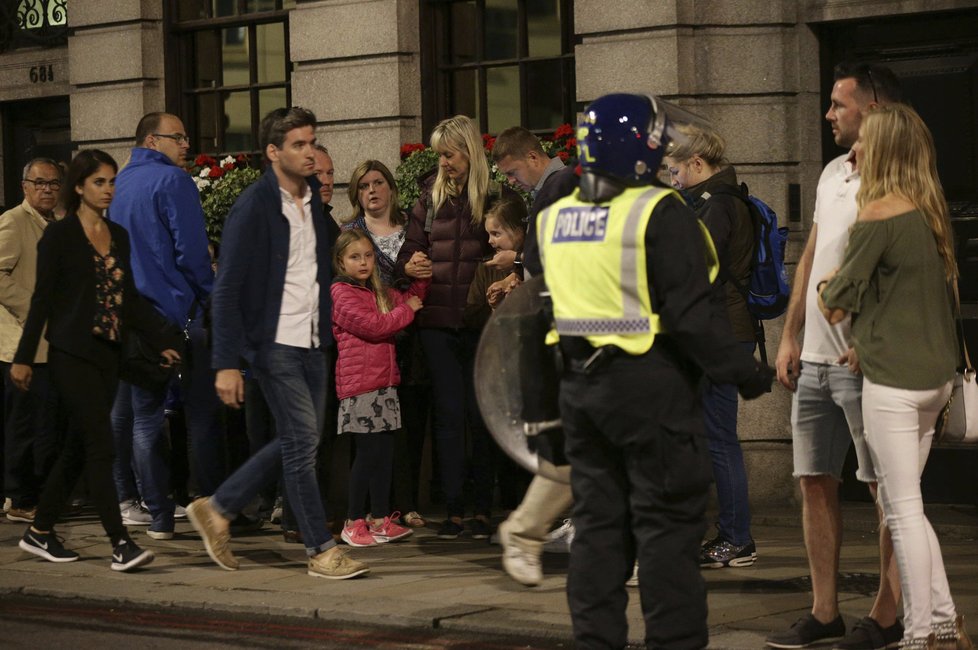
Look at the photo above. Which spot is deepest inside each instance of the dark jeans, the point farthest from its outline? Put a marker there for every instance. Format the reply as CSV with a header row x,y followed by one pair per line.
x,y
202,411
720,417
33,427
450,354
88,391
640,476
293,381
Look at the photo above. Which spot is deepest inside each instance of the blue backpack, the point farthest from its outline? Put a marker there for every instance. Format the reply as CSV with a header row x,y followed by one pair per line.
x,y
768,291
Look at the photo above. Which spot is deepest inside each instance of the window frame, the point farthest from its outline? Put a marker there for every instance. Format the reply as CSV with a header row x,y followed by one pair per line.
x,y
437,69
181,94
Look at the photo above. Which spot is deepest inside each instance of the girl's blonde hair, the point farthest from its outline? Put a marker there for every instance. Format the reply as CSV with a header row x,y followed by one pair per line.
x,y
461,135
703,142
511,214
898,157
344,241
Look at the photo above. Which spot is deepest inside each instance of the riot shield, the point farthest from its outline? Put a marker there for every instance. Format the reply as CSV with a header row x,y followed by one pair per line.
x,y
517,379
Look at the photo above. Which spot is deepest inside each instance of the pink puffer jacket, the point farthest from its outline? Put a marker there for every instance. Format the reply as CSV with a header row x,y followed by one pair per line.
x,y
365,337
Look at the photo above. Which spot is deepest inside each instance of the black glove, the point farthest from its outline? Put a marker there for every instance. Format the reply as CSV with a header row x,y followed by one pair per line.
x,y
758,383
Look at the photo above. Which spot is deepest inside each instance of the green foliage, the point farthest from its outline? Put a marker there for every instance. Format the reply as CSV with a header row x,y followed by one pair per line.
x,y
222,195
416,165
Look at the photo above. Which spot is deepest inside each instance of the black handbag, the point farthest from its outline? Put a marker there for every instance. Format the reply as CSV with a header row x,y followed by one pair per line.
x,y
141,364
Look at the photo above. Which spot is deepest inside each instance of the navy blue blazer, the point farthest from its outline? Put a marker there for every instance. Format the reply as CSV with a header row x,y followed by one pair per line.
x,y
247,297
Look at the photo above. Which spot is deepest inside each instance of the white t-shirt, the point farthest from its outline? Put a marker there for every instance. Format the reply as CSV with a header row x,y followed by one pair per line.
x,y
835,212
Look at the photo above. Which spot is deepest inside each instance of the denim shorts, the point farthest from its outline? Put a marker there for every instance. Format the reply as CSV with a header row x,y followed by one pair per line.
x,y
826,415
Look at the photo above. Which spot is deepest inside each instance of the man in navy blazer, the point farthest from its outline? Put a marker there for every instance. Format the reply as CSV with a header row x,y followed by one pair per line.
x,y
271,308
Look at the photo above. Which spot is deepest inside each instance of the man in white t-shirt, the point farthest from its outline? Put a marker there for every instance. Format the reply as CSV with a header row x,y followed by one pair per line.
x,y
826,414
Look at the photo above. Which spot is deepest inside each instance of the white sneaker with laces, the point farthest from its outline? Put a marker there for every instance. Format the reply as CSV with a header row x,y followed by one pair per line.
x,y
134,513
559,540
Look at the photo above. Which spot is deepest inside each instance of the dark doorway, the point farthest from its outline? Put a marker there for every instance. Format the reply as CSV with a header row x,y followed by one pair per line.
x,y
32,129
936,57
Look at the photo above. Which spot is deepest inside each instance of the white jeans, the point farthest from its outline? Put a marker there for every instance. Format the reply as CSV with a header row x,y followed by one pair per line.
x,y
899,428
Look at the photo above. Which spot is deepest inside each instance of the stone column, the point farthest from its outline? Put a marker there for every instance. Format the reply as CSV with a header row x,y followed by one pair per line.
x,y
115,71
360,77
744,71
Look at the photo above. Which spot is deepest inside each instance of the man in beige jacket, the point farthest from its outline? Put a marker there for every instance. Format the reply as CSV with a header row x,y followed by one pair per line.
x,y
31,417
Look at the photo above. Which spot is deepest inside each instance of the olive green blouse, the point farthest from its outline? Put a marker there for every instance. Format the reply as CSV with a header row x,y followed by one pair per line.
x,y
892,282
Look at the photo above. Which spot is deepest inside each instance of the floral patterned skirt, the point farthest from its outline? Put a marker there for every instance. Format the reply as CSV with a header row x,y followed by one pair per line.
x,y
378,410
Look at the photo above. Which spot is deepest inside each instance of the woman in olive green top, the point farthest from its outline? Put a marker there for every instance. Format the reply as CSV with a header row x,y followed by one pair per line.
x,y
895,280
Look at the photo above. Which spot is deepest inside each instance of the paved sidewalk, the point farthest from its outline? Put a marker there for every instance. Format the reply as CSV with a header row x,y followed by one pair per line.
x,y
425,582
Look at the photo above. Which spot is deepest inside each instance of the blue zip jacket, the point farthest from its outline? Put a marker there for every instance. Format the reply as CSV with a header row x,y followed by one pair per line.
x,y
158,203
247,297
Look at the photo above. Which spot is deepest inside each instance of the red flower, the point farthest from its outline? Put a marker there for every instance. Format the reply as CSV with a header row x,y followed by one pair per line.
x,y
409,148
216,172
563,131
228,166
241,158
201,160
563,155
571,143
489,142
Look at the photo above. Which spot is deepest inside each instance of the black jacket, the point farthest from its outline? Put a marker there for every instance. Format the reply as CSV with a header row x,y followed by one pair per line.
x,y
557,186
64,297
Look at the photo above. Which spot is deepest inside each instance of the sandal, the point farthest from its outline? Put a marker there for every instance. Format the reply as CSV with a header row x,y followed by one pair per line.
x,y
413,520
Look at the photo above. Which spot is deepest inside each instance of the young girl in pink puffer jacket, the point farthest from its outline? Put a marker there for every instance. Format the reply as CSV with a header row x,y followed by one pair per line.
x,y
366,316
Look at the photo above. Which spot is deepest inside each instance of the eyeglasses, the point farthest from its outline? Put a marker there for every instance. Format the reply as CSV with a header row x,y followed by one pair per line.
x,y
40,183
179,138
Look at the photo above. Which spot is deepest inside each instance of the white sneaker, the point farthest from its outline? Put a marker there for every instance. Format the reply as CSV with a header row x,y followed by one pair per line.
x,y
179,512
633,581
134,513
521,565
559,540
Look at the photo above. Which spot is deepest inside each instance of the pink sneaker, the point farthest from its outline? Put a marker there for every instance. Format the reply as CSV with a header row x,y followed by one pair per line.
x,y
389,531
356,533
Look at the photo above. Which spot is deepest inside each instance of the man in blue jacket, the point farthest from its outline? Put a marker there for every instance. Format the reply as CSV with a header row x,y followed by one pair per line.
x,y
271,308
157,202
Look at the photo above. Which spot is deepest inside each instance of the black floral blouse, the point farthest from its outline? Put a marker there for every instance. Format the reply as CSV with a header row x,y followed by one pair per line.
x,y
108,294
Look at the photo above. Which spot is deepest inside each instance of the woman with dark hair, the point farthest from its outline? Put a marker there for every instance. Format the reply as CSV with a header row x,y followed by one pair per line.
x,y
898,280
373,195
86,299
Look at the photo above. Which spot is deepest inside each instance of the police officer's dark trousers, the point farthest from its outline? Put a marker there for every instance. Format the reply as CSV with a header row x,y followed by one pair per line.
x,y
640,474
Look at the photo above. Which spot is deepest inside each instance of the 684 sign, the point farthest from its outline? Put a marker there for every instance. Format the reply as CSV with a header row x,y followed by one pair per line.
x,y
41,73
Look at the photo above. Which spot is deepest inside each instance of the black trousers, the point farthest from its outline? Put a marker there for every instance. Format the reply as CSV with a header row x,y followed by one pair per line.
x,y
640,474
88,390
34,424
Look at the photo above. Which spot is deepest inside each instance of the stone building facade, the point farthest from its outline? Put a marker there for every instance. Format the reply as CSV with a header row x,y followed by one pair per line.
x,y
760,69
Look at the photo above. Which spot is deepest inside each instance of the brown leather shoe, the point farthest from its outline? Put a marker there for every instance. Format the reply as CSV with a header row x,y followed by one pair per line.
x,y
292,536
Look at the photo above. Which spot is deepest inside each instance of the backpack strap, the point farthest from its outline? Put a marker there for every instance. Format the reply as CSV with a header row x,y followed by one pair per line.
x,y
743,193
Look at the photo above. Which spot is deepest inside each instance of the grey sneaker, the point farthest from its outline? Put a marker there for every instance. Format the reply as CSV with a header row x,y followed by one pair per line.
x,y
560,539
806,631
134,513
521,565
202,515
719,553
335,564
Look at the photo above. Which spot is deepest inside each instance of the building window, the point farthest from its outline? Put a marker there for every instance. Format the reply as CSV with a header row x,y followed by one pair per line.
x,y
503,62
26,23
228,66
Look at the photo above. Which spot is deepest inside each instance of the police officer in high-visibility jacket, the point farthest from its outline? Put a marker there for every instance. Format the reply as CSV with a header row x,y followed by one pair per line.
x,y
629,270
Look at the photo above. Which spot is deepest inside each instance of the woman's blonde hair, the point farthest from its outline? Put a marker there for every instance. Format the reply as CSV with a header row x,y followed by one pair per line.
x,y
344,241
461,135
395,216
898,157
703,142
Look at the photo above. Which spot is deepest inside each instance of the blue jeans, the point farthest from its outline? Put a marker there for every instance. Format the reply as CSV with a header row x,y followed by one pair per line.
x,y
294,382
202,413
720,418
140,468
